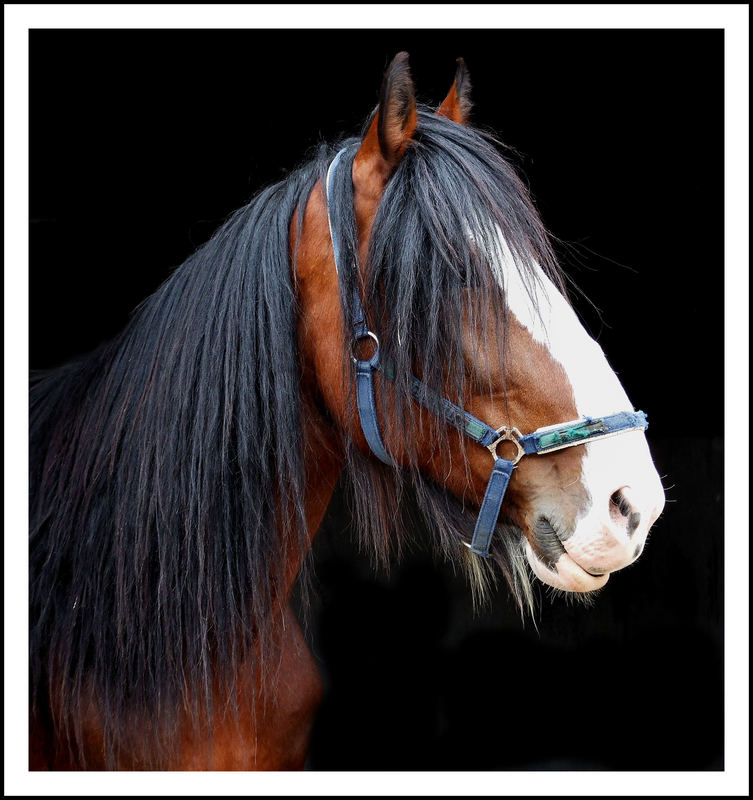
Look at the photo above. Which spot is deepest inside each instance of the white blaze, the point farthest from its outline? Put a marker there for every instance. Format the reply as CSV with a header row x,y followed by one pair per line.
x,y
621,462
552,322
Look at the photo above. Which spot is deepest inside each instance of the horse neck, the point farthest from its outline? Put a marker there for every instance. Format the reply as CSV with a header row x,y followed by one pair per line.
x,y
325,459
320,331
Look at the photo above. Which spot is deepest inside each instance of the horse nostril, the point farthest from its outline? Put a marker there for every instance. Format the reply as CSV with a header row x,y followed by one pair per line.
x,y
619,500
622,504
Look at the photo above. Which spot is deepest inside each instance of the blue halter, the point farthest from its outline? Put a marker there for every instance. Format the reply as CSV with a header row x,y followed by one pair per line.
x,y
541,441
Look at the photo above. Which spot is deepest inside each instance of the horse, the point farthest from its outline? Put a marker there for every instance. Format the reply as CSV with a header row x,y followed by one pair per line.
x,y
391,314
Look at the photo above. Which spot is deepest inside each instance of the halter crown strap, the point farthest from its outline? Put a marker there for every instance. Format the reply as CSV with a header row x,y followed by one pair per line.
x,y
541,442
365,369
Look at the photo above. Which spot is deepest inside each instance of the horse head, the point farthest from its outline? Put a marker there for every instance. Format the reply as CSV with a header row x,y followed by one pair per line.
x,y
454,275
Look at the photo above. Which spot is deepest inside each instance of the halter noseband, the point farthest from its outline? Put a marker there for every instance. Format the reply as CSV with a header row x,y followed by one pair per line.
x,y
540,442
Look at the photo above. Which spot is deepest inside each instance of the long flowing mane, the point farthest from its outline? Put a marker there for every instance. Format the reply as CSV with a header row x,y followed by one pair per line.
x,y
163,468
166,485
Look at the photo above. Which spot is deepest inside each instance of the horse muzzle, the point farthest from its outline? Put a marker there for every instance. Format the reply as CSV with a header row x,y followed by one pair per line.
x,y
607,538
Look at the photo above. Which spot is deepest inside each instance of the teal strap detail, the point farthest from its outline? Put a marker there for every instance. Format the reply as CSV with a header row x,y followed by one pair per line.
x,y
574,434
581,431
475,429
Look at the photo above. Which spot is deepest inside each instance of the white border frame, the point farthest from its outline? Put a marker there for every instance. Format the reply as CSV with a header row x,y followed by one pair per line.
x,y
734,19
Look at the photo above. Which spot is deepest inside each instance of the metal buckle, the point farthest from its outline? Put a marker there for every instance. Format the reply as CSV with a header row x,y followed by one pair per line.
x,y
358,339
505,434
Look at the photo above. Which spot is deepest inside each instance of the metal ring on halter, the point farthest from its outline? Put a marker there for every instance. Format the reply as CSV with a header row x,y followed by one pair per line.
x,y
506,434
358,339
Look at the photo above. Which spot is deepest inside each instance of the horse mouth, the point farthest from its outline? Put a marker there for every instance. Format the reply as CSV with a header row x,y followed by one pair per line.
x,y
547,544
553,565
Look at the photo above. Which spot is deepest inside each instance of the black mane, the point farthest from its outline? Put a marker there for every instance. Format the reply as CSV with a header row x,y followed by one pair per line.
x,y
163,465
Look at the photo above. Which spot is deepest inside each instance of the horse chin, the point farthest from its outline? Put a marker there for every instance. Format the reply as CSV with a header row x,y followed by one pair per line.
x,y
565,574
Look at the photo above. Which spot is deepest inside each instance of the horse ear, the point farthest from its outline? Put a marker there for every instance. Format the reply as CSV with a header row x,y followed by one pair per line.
x,y
395,120
457,105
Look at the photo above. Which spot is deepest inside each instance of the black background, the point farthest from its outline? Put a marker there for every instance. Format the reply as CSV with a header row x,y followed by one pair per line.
x,y
141,142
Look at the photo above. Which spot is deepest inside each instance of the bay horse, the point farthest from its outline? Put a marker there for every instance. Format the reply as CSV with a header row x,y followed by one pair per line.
x,y
391,312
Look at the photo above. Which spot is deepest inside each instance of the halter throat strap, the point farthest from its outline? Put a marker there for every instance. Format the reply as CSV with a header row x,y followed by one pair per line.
x,y
541,442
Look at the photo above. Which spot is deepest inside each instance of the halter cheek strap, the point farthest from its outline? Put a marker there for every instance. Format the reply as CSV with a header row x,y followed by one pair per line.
x,y
540,442
367,404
